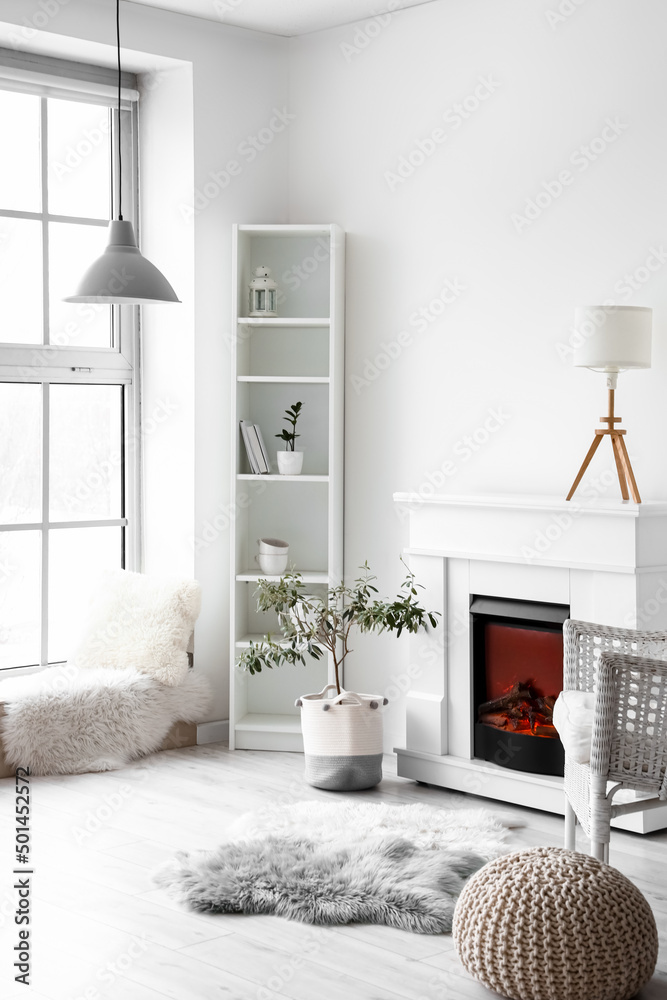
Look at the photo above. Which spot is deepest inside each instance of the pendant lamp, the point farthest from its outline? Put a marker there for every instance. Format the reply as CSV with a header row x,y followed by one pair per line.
x,y
122,275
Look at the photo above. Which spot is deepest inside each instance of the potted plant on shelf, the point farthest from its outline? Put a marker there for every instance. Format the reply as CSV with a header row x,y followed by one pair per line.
x,y
342,730
290,462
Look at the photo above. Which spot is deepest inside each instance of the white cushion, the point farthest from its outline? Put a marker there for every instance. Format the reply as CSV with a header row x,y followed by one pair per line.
x,y
573,718
140,621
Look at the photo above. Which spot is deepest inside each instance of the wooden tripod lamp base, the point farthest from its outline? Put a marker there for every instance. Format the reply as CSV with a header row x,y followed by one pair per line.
x,y
626,476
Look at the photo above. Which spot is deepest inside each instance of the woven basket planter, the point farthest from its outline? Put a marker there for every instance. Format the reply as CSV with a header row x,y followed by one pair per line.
x,y
342,739
550,924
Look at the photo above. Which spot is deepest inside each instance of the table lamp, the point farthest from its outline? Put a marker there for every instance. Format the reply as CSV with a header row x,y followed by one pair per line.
x,y
612,339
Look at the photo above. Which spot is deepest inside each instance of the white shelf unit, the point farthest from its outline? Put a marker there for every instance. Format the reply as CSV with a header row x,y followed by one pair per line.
x,y
296,356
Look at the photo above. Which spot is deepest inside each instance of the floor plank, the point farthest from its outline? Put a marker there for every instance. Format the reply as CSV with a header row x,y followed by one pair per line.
x,y
103,930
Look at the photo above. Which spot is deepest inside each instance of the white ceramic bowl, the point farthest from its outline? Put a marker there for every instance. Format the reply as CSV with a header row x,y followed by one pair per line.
x,y
273,546
272,564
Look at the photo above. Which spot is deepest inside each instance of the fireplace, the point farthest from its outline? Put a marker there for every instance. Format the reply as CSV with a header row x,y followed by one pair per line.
x,y
604,559
517,664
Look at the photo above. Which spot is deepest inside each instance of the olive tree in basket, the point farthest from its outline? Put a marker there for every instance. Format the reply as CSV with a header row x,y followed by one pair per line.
x,y
342,730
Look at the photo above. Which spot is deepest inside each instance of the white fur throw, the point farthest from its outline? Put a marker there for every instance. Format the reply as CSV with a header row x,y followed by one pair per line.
x,y
69,721
140,621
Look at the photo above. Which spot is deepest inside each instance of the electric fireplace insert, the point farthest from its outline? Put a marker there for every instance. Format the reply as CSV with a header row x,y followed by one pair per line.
x,y
517,664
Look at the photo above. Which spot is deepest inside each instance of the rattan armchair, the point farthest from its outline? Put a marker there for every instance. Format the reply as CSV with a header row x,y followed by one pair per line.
x,y
627,671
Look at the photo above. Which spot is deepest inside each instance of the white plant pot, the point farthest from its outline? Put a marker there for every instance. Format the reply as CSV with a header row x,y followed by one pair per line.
x,y
342,739
290,463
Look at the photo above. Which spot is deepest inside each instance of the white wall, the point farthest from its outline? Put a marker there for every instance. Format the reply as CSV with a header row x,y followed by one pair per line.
x,y
365,96
207,87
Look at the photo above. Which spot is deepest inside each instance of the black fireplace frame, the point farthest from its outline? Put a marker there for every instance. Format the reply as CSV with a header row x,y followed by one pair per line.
x,y
515,751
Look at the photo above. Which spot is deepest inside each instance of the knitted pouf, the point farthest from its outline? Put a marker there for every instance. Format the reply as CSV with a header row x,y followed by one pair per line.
x,y
550,924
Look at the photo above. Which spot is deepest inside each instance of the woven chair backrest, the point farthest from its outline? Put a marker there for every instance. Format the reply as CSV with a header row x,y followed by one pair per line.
x,y
630,746
584,641
630,726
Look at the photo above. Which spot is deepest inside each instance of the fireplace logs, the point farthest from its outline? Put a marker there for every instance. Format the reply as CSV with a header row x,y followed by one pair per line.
x,y
520,710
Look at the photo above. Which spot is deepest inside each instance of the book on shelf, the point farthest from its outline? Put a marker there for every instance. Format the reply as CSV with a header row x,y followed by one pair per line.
x,y
255,450
262,446
253,437
252,461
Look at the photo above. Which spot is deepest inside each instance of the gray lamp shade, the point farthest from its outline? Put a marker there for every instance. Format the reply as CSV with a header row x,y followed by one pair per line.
x,y
122,276
613,338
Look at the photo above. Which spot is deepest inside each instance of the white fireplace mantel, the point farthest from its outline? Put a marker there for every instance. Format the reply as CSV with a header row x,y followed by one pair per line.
x,y
605,559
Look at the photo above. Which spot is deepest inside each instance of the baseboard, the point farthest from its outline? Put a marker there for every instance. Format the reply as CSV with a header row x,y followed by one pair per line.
x,y
213,732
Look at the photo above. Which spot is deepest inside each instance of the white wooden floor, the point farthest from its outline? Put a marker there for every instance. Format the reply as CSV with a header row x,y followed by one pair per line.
x,y
101,930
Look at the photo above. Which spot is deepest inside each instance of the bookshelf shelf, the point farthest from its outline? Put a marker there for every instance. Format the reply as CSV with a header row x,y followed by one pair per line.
x,y
307,575
276,361
244,641
284,322
270,478
286,379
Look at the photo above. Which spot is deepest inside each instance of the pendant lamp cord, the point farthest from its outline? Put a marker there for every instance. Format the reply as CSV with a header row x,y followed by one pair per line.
x,y
118,132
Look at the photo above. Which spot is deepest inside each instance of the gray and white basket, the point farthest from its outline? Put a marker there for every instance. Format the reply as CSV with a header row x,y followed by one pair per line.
x,y
342,739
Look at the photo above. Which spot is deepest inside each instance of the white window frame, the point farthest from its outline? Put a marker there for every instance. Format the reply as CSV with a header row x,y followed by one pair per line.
x,y
47,363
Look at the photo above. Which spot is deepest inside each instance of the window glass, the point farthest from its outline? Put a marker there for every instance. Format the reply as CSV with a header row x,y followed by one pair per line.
x,y
77,557
78,159
72,249
20,566
20,452
21,315
59,355
85,452
20,131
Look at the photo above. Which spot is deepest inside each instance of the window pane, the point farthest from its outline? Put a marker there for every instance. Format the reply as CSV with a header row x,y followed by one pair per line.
x,y
76,558
19,598
85,453
20,452
20,161
79,150
21,320
72,249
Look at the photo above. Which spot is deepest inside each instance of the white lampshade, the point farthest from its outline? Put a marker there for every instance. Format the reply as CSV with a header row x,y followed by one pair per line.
x,y
613,338
122,276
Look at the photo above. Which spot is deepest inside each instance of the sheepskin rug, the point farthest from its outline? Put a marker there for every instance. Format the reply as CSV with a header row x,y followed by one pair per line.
x,y
139,621
69,721
341,863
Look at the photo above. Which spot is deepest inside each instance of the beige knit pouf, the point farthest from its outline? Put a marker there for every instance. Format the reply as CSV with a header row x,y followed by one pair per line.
x,y
550,924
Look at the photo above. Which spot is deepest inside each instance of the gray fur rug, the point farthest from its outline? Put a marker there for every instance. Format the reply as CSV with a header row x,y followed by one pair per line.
x,y
403,866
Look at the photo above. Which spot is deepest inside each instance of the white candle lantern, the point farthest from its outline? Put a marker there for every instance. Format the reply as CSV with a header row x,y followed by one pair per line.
x,y
263,293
